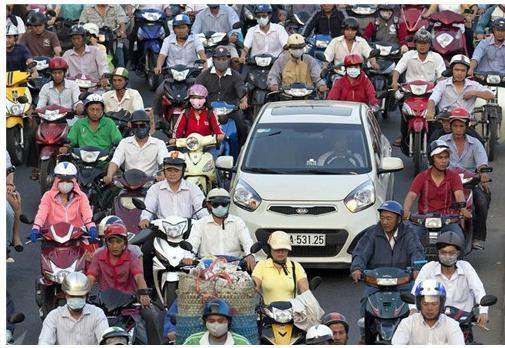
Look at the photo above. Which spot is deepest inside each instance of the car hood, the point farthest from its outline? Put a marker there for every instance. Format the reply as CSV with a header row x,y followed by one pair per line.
x,y
273,187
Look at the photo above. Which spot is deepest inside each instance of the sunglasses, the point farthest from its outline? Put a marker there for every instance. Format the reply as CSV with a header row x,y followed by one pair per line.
x,y
215,204
138,125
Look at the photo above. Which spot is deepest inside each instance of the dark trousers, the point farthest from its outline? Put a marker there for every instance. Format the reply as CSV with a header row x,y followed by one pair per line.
x,y
481,202
242,129
147,261
421,230
150,317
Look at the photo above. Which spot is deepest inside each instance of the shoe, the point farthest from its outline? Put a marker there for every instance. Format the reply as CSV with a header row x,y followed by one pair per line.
x,y
478,245
397,142
10,260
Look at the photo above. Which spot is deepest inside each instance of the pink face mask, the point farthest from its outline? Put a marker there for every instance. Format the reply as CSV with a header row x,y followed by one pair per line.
x,y
197,103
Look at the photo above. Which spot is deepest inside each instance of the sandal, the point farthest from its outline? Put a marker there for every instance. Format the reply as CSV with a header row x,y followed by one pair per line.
x,y
478,245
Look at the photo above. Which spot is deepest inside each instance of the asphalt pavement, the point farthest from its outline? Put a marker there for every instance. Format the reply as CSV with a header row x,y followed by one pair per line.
x,y
337,292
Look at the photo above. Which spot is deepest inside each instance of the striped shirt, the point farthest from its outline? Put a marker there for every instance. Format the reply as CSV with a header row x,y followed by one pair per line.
x,y
61,328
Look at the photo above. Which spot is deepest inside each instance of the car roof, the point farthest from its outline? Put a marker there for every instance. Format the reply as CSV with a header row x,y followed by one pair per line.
x,y
312,111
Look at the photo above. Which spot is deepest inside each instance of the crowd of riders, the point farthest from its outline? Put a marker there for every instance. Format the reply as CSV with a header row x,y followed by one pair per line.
x,y
86,56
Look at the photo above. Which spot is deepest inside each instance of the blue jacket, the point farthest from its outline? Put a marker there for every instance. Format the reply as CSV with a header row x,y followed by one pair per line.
x,y
373,249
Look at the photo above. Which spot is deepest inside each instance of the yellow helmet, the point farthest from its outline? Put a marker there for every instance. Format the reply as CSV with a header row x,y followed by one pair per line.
x,y
295,41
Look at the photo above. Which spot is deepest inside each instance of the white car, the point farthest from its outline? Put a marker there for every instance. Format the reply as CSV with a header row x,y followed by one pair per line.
x,y
317,170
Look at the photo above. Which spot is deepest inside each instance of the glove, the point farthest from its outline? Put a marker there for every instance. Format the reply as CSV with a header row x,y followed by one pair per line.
x,y
92,232
34,235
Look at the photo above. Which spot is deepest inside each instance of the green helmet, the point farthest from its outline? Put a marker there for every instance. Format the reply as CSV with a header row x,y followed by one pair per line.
x,y
120,72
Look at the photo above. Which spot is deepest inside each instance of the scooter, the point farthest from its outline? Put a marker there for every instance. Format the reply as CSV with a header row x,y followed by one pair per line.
x,y
121,118
62,29
200,168
381,79
412,16
384,309
256,80
150,36
35,84
229,147
51,134
318,43
491,111
134,184
416,94
365,14
18,105
210,40
295,91
448,39
122,310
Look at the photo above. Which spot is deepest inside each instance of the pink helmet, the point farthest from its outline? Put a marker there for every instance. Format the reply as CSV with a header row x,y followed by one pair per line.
x,y
198,90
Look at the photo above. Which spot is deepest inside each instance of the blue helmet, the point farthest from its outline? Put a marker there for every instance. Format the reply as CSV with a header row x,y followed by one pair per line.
x,y
218,306
263,8
430,287
391,206
181,19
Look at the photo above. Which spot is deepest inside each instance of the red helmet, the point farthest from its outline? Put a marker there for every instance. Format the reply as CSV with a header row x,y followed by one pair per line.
x,y
459,114
353,59
116,230
58,63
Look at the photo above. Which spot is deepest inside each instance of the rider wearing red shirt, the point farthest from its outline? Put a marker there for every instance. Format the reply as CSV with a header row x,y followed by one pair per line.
x,y
198,118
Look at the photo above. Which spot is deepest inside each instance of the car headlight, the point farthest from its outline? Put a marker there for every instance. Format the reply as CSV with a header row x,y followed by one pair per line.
x,y
245,197
89,156
192,143
208,166
493,79
433,223
174,231
361,197
179,75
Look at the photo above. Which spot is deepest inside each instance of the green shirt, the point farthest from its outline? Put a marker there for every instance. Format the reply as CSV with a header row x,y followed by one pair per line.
x,y
107,134
202,338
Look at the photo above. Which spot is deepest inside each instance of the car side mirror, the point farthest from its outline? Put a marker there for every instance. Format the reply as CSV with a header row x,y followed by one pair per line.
x,y
407,297
138,203
390,165
185,245
23,99
315,282
256,247
225,163
488,300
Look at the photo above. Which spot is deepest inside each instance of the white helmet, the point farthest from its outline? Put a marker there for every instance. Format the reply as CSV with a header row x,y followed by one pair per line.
x,y
318,334
460,59
11,30
93,98
65,170
91,28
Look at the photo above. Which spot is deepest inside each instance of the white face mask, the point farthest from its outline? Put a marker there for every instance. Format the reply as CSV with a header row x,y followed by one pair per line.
x,y
65,187
217,329
76,303
296,52
353,72
263,21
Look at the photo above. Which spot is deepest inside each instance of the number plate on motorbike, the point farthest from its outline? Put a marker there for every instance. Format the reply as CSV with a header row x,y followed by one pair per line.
x,y
308,239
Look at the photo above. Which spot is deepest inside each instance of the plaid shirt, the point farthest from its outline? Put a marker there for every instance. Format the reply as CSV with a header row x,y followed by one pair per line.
x,y
114,15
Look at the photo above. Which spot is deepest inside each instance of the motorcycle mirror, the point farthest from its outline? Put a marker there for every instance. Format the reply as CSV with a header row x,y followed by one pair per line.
x,y
315,282
447,73
488,300
19,317
138,203
23,99
24,219
185,245
256,247
236,25
407,297
374,53
320,56
99,216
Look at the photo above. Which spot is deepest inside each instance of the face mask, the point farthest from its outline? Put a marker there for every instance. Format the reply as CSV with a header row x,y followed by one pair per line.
x,y
385,14
141,132
65,187
217,329
353,72
197,103
448,261
76,303
296,53
220,211
263,21
222,66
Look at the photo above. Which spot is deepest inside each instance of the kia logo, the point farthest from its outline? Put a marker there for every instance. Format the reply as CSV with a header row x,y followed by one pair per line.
x,y
302,211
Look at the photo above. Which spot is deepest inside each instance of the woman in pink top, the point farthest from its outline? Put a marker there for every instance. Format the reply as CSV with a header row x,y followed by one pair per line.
x,y
64,202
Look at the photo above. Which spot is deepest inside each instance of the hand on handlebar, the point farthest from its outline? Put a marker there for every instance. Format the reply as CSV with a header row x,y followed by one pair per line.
x,y
187,262
144,224
466,213
145,301
356,276
482,320
157,70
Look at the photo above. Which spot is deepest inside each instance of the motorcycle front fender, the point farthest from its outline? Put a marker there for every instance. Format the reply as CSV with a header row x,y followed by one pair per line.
x,y
259,97
152,45
48,151
13,121
417,124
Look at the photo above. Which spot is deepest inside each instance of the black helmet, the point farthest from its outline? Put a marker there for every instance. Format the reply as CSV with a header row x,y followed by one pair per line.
x,y
263,8
36,18
139,116
77,29
450,238
175,159
113,332
499,23
350,23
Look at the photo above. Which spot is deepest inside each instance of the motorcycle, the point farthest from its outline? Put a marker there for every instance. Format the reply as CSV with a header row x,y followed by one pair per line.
x,y
121,118
51,134
412,16
448,39
210,40
150,36
491,111
229,147
134,184
18,105
318,43
35,84
247,17
295,91
122,310
384,309
178,79
363,13
256,80
200,168
416,94
295,23
381,79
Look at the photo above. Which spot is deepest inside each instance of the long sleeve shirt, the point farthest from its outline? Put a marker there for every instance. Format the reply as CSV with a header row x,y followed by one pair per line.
x,y
275,74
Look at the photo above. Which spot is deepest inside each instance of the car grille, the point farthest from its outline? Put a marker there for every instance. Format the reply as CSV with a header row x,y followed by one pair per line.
x,y
288,210
335,240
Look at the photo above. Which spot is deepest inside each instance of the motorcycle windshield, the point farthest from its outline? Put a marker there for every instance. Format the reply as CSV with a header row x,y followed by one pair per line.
x,y
386,330
112,300
87,175
151,32
386,305
134,179
63,256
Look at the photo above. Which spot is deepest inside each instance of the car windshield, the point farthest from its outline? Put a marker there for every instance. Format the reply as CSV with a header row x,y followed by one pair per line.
x,y
305,148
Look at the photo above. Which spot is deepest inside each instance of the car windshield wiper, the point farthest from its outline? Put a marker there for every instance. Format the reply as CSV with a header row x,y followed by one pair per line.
x,y
263,170
268,134
327,171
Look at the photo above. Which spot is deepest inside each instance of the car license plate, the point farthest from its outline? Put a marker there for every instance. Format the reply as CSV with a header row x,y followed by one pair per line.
x,y
307,239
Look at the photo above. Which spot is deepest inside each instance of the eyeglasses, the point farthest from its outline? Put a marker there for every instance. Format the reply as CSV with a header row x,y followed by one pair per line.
x,y
138,125
215,204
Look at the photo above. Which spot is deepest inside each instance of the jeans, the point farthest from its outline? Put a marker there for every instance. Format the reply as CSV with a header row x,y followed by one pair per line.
x,y
421,230
481,202
151,319
10,223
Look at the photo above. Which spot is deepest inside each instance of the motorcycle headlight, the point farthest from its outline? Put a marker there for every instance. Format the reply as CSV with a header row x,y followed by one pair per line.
x,y
282,315
151,16
321,44
51,115
221,111
179,75
245,197
444,39
89,156
208,166
216,38
433,223
364,11
418,89
17,109
387,281
493,79
263,61
361,197
384,50
174,231
298,92
127,202
192,143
